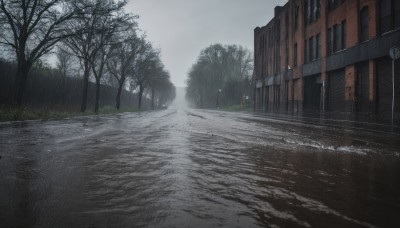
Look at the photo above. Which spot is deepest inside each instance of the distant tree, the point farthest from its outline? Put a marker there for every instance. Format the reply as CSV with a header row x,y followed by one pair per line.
x,y
31,29
64,62
221,72
162,90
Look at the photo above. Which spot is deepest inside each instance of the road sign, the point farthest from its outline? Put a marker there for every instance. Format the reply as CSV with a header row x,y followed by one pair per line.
x,y
394,53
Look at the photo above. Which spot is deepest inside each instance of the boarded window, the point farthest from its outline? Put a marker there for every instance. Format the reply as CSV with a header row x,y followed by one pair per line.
x,y
364,35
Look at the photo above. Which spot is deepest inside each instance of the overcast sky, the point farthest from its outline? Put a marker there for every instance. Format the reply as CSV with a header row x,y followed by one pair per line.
x,y
182,28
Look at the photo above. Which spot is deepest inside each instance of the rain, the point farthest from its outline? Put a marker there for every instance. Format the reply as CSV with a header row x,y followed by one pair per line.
x,y
112,135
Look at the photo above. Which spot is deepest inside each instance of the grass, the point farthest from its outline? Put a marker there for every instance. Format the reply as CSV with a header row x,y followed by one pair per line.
x,y
25,113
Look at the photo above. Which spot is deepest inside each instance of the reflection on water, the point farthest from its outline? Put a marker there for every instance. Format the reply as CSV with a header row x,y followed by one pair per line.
x,y
180,168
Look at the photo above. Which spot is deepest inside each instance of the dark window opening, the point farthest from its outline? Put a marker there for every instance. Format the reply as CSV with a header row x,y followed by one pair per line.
x,y
311,45
364,34
296,18
318,46
312,9
385,16
389,15
396,14
332,4
305,51
329,41
336,38
295,55
343,35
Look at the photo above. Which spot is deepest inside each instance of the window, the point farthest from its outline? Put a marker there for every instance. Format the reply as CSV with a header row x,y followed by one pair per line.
x,y
318,10
278,31
396,14
311,45
329,41
336,38
305,51
306,12
318,46
332,4
295,55
364,35
389,15
287,25
385,16
296,18
312,9
343,36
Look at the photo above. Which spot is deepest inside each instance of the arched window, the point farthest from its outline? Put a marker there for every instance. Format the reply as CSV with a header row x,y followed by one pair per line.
x,y
385,16
364,35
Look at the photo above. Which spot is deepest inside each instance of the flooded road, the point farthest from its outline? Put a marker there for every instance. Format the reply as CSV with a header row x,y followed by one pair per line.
x,y
195,168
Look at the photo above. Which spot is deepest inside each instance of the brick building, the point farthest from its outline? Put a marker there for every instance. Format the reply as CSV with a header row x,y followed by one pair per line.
x,y
328,56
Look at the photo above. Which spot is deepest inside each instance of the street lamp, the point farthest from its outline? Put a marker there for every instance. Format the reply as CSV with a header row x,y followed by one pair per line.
x,y
218,92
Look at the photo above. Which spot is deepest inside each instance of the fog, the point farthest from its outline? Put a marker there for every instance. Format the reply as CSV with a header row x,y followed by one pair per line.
x,y
180,102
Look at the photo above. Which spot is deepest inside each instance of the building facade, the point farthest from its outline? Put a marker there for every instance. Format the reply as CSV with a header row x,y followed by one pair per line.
x,y
328,56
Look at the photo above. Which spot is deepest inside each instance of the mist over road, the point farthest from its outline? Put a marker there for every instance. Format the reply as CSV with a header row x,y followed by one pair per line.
x,y
195,168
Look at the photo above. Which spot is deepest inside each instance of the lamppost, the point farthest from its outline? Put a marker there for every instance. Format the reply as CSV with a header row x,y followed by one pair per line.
x,y
218,92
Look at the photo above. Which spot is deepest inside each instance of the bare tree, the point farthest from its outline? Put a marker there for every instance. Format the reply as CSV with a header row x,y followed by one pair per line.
x,y
162,90
144,68
64,62
86,45
32,27
124,58
106,41
221,72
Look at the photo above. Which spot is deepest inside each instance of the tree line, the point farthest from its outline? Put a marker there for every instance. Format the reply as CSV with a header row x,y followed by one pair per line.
x,y
96,39
220,77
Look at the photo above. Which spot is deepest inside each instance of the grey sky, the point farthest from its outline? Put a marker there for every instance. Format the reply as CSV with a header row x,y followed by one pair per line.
x,y
182,28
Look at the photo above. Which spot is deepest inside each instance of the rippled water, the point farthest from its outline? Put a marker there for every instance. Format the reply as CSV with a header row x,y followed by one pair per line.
x,y
192,168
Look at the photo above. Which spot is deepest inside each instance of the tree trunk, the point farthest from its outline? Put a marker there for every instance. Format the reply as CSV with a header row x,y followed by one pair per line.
x,y
118,101
85,86
97,103
140,97
20,81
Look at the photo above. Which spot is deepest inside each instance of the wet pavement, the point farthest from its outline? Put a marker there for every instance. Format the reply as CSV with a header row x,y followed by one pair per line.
x,y
196,168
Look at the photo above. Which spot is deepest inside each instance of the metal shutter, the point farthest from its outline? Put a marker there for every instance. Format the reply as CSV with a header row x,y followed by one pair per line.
x,y
312,94
336,91
362,88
